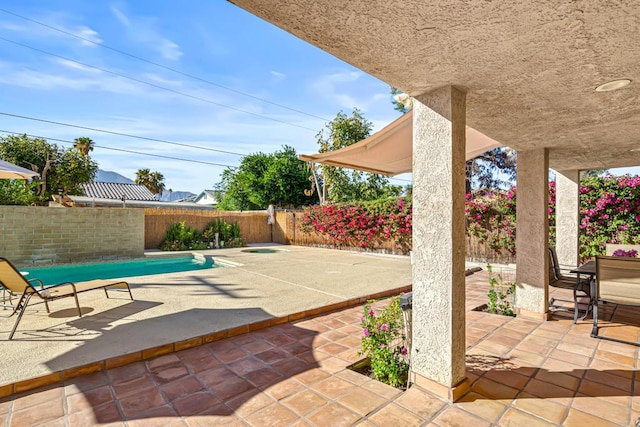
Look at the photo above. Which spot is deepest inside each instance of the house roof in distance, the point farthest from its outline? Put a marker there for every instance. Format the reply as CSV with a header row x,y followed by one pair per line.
x,y
115,191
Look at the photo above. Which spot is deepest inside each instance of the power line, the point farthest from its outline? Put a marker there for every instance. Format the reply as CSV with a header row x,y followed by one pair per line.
x,y
60,30
123,150
137,137
104,70
120,134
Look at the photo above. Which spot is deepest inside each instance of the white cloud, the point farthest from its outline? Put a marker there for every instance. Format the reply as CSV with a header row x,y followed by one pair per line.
x,y
120,16
89,34
142,30
348,90
170,50
75,65
37,32
327,87
278,76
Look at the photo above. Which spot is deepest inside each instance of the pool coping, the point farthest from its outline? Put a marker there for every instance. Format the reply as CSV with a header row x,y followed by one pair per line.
x,y
58,377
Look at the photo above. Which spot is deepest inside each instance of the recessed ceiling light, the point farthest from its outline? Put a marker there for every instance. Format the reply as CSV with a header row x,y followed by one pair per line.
x,y
613,85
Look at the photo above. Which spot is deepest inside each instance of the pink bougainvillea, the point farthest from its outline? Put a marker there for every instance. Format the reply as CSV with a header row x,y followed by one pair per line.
x,y
609,213
361,225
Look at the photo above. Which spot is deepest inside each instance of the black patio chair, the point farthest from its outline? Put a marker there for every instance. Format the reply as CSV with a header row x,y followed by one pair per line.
x,y
562,278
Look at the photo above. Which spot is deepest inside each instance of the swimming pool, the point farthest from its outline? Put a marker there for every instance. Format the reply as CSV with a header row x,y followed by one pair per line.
x,y
116,269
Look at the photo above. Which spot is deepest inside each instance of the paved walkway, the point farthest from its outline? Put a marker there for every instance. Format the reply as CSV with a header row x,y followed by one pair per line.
x,y
523,373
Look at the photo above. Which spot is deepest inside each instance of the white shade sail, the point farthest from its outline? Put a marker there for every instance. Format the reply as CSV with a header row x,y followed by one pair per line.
x,y
11,171
390,151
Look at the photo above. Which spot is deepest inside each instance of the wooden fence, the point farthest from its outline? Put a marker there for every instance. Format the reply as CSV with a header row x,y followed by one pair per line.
x,y
253,224
285,230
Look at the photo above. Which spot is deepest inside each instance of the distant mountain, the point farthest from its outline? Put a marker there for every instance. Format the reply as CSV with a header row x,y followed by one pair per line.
x,y
175,195
108,176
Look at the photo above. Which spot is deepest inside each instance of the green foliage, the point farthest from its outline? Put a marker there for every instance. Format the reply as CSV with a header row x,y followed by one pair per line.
x,y
180,237
261,180
501,294
17,192
84,145
59,168
154,181
493,169
228,234
346,185
383,343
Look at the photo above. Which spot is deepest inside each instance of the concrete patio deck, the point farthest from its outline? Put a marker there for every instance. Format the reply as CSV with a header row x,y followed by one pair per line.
x,y
523,373
256,289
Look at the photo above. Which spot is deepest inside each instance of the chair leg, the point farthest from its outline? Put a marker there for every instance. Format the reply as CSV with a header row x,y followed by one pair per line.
x,y
25,302
75,295
594,331
575,306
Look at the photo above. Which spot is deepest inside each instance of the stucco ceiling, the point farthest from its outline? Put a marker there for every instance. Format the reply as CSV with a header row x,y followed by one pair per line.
x,y
530,68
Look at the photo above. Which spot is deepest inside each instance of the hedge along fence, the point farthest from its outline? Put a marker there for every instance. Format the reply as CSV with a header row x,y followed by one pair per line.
x,y
609,211
380,225
253,224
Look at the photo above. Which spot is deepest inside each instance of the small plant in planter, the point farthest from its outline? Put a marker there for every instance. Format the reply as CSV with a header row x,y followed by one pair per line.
x,y
501,294
383,344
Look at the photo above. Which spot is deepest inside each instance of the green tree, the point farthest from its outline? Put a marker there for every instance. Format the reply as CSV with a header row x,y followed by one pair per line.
x,y
17,192
593,173
344,185
492,169
59,168
154,181
84,145
263,179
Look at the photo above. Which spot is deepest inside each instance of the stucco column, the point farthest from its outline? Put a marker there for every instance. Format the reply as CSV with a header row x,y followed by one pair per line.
x,y
568,217
438,348
532,233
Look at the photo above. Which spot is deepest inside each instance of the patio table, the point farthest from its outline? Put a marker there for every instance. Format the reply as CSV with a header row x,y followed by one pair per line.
x,y
586,269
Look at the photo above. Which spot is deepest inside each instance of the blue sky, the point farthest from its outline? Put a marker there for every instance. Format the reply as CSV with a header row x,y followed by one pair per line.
x,y
47,74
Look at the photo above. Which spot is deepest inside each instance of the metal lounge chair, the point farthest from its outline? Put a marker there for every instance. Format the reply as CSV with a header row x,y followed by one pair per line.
x,y
17,284
560,279
618,282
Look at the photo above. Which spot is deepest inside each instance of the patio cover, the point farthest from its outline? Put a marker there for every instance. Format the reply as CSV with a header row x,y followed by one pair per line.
x,y
11,171
390,151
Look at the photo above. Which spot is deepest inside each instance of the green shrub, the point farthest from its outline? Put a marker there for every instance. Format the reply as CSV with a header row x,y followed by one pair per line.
x,y
228,234
180,237
383,343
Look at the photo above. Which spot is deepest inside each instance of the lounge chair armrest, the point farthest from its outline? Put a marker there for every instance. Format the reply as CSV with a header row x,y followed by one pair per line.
x,y
38,281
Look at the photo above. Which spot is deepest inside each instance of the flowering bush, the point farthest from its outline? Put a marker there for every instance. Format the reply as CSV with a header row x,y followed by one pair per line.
x,y
609,213
383,343
491,217
363,225
632,253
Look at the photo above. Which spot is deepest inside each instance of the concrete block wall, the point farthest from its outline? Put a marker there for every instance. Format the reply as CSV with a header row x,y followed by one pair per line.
x,y
49,235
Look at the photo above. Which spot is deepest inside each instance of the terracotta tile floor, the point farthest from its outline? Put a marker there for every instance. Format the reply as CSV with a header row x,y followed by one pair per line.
x,y
523,372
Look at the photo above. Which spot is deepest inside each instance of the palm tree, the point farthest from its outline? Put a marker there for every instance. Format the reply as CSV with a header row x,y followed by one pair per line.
x,y
152,180
84,145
